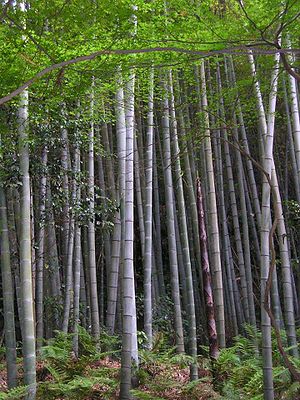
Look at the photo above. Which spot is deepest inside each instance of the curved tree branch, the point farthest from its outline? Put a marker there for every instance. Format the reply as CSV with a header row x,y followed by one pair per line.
x,y
239,50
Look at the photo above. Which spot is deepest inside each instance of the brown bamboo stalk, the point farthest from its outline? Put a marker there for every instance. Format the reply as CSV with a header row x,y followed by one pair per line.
x,y
208,295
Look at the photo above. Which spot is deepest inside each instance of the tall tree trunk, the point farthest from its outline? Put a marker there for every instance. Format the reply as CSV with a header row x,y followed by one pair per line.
x,y
209,301
268,165
171,223
129,334
291,142
91,227
69,267
8,295
213,218
25,253
77,262
138,171
65,165
40,253
267,127
184,235
234,209
148,218
157,224
113,276
53,261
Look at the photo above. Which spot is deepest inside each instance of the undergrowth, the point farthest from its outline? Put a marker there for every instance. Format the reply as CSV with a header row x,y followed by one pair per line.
x,y
69,377
162,373
239,370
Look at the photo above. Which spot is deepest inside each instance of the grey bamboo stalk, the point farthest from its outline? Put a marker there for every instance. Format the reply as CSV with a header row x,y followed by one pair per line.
x,y
138,192
77,262
265,260
32,226
192,215
52,254
244,140
129,207
181,271
148,217
91,224
241,188
231,273
267,127
109,167
171,223
84,235
275,300
103,192
268,163
291,142
234,208
259,100
40,252
213,219
245,236
251,220
83,296
157,230
295,253
116,237
295,116
128,353
286,274
234,297
65,186
8,296
69,266
25,253
106,236
69,279
189,180
113,276
12,216
184,234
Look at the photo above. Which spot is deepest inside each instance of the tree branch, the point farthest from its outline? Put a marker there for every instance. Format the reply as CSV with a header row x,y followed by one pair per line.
x,y
239,50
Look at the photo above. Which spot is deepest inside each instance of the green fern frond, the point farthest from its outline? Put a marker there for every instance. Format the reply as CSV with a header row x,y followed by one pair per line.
x,y
144,395
109,343
292,391
55,352
183,360
59,374
77,388
14,394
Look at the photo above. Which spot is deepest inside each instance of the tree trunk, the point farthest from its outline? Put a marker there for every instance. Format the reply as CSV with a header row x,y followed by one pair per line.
x,y
213,219
25,253
8,296
148,218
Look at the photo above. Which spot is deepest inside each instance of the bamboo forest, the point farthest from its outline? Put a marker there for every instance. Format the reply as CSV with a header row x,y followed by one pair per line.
x,y
150,199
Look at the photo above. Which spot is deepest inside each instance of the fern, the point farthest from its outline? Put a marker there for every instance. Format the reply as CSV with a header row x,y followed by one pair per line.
x,y
14,394
109,343
74,378
239,373
183,360
78,388
292,392
139,394
230,392
87,344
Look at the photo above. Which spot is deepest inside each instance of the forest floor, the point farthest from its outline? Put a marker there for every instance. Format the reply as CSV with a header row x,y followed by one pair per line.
x,y
161,383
